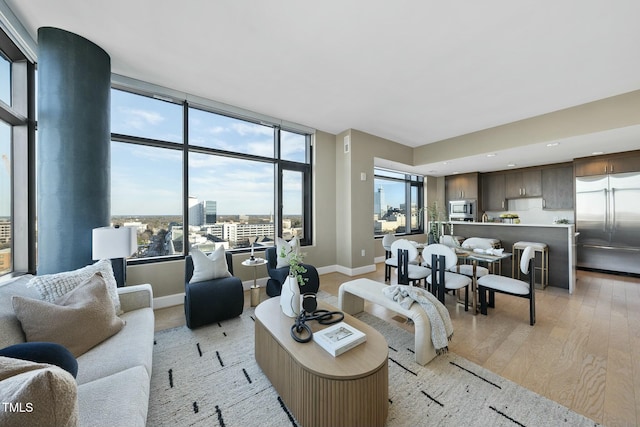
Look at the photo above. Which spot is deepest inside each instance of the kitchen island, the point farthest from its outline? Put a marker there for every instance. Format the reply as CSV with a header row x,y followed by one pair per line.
x,y
560,239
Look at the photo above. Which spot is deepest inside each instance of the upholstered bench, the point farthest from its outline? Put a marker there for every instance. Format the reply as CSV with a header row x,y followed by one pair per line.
x,y
351,299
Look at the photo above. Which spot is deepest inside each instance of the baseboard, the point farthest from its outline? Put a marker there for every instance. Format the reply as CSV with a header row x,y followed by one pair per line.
x,y
327,269
177,299
356,271
168,301
379,259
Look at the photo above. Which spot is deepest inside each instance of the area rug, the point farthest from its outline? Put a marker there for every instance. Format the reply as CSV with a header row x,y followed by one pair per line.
x,y
209,377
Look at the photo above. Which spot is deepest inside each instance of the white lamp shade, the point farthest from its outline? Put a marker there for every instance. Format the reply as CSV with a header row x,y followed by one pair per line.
x,y
112,242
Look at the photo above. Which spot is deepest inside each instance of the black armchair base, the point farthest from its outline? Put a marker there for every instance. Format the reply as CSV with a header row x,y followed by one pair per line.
x,y
279,275
212,300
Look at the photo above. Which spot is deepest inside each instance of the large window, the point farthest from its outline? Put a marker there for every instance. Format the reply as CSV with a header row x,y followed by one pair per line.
x,y
146,192
398,203
221,180
17,217
231,201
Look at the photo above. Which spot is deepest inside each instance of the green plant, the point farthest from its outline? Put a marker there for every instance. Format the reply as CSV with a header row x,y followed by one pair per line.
x,y
296,269
436,217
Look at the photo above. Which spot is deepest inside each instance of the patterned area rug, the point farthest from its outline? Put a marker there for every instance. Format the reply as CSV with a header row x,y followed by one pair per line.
x,y
209,377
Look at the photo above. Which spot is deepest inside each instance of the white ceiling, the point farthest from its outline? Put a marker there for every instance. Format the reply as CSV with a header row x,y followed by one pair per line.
x,y
411,71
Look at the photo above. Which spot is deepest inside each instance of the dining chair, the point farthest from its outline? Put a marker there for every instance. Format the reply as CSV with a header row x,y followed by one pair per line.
x,y
408,271
392,261
506,285
387,240
441,259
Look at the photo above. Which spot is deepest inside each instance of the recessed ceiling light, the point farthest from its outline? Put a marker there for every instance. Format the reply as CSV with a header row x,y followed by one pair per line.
x,y
455,173
553,144
445,163
491,155
595,153
511,165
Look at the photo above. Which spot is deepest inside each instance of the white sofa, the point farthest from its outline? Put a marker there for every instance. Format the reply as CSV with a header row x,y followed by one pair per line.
x,y
113,377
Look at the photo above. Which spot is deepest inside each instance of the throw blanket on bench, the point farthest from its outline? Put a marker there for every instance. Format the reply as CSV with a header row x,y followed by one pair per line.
x,y
441,326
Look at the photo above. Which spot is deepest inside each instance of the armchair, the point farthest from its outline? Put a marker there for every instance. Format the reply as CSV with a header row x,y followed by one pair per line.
x,y
277,276
212,300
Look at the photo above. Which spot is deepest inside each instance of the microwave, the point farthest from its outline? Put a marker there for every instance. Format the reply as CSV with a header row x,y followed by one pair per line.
x,y
462,210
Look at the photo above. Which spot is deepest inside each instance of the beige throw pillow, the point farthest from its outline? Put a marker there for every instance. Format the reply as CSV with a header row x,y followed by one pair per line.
x,y
36,395
79,320
53,286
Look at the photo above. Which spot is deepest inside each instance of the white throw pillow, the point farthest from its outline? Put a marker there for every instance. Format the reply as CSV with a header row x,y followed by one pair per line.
x,y
286,248
208,267
53,286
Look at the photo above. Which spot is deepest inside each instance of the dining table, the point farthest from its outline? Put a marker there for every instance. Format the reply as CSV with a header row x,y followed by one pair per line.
x,y
492,258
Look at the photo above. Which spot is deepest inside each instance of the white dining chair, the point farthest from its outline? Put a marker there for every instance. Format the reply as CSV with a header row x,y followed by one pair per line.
x,y
409,272
506,285
441,259
387,240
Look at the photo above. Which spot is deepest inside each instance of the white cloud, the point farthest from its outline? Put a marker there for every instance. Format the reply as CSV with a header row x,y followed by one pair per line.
x,y
139,119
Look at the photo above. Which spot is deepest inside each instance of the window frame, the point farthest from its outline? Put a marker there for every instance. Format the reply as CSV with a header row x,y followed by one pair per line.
x,y
410,181
186,148
20,115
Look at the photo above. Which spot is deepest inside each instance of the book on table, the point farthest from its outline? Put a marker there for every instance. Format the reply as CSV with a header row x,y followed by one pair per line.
x,y
338,338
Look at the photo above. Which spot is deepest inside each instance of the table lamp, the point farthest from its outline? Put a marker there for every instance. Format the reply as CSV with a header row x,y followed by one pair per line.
x,y
115,243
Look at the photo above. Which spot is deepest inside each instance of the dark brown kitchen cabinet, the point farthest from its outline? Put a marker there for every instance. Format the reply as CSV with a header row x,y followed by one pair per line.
x,y
557,188
618,163
526,183
493,192
463,186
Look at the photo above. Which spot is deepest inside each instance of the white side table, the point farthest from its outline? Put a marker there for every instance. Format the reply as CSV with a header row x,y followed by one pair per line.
x,y
255,289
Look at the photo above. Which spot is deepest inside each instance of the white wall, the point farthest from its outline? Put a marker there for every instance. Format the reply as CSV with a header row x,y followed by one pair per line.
x,y
530,212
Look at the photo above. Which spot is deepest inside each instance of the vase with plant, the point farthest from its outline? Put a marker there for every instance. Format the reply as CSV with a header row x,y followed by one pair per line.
x,y
290,295
436,216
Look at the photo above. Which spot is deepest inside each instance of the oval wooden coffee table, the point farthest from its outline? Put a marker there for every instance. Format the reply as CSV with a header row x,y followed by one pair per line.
x,y
319,389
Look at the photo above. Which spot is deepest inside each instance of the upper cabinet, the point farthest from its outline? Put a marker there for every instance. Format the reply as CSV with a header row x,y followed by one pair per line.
x,y
553,183
557,187
493,192
525,183
618,163
463,186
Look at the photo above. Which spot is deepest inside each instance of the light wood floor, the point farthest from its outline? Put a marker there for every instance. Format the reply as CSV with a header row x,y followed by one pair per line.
x,y
583,352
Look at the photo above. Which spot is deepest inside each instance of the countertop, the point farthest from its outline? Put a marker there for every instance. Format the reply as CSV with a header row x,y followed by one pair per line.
x,y
502,224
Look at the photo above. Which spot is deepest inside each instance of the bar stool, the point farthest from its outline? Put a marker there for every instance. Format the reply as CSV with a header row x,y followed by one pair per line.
x,y
518,247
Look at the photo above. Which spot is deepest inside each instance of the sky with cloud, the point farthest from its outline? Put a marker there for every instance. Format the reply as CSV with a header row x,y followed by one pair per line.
x,y
148,180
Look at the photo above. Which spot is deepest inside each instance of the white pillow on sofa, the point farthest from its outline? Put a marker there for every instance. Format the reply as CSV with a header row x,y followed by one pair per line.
x,y
286,248
208,267
53,286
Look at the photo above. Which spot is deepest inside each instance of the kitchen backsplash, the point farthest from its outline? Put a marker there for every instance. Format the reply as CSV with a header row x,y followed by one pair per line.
x,y
530,212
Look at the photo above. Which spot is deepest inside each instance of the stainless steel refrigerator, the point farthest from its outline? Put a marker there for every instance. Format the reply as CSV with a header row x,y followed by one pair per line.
x,y
608,220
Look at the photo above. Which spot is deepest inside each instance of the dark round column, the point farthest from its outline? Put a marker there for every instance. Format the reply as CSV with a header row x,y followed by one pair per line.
x,y
73,149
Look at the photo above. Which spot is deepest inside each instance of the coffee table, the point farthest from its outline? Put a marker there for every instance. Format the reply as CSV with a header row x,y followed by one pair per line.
x,y
319,389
